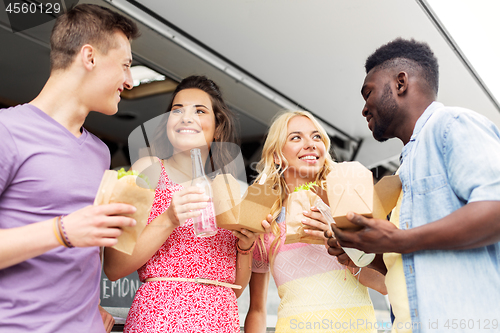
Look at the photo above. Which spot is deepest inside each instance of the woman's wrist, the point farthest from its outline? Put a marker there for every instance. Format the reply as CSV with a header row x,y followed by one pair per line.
x,y
245,251
164,220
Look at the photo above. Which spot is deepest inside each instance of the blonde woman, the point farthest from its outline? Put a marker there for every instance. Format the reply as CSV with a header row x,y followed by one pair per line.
x,y
317,293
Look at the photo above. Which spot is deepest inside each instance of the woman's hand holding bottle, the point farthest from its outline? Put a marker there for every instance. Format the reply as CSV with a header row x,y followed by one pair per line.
x,y
186,204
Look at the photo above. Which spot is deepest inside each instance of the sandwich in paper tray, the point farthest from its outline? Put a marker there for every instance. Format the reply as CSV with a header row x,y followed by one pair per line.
x,y
130,188
302,199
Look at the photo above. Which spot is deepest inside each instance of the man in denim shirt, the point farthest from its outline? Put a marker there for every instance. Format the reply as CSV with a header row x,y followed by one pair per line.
x,y
450,212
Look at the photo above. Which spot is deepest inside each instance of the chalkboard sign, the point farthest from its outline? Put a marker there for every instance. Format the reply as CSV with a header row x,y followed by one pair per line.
x,y
119,293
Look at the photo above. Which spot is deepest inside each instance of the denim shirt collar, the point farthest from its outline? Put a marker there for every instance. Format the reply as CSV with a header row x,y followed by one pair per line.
x,y
418,127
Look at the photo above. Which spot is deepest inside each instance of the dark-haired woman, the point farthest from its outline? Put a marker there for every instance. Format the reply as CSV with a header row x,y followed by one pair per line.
x,y
168,256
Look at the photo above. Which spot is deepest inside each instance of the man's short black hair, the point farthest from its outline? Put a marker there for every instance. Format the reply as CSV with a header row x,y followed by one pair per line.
x,y
418,56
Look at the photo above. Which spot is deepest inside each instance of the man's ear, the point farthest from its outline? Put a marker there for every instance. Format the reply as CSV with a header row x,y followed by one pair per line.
x,y
88,56
402,82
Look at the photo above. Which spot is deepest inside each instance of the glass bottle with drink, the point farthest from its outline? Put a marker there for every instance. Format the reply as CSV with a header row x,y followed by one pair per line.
x,y
204,224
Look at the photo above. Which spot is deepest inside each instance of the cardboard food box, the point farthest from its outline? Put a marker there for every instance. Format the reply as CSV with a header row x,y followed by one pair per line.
x,y
350,189
233,212
126,190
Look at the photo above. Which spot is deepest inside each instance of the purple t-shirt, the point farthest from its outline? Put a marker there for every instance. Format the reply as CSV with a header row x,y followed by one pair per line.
x,y
45,171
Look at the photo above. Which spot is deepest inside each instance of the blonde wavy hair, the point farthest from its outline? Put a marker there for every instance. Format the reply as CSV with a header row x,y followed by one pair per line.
x,y
273,149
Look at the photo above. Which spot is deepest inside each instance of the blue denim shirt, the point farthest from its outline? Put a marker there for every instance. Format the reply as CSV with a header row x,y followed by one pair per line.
x,y
452,158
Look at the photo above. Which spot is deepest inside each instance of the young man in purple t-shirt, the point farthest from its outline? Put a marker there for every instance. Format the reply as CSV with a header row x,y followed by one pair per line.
x,y
50,166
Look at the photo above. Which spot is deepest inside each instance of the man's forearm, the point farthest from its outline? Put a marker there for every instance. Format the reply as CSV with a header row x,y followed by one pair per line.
x,y
26,242
474,225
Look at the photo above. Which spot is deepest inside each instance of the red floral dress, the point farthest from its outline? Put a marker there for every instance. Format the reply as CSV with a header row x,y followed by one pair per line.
x,y
172,306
